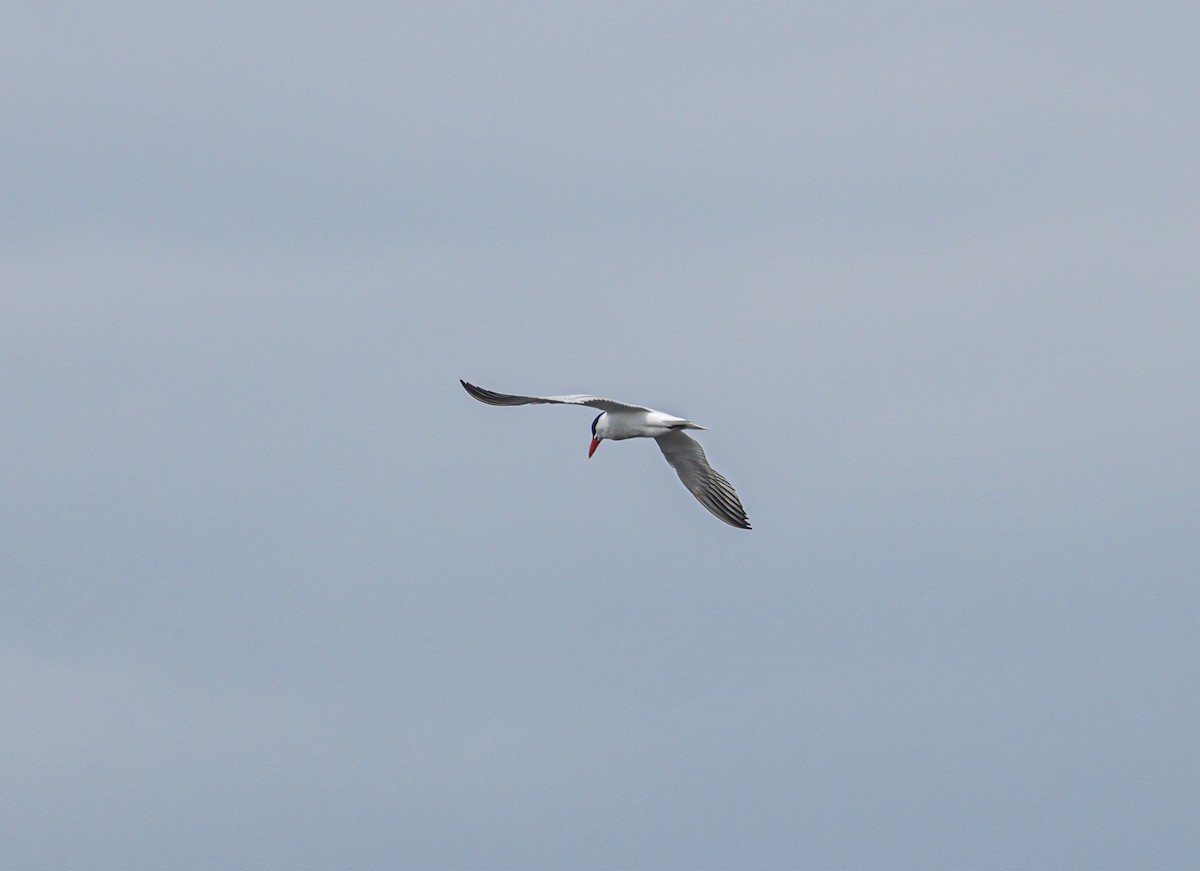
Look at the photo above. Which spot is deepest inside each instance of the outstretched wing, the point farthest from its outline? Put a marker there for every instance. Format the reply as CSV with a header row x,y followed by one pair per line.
x,y
708,485
492,398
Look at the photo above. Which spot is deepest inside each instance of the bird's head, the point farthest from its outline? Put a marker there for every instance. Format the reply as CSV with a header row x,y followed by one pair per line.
x,y
596,436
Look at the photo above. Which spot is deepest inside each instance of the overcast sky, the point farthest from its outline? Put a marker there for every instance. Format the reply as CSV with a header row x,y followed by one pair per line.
x,y
278,594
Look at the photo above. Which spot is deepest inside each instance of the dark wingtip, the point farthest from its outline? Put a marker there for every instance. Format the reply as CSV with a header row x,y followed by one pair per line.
x,y
489,397
738,519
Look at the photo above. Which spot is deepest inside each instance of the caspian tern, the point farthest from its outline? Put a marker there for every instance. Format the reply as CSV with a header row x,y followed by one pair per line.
x,y
620,420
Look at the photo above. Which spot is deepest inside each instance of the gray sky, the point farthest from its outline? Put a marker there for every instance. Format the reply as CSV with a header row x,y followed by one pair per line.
x,y
278,594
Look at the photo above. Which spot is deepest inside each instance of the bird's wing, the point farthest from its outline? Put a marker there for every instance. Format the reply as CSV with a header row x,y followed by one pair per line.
x,y
493,398
708,485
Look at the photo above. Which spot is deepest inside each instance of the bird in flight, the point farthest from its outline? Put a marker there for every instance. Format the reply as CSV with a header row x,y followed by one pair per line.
x,y
620,420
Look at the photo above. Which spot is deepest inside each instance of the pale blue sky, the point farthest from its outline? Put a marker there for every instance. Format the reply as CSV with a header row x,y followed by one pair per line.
x,y
278,594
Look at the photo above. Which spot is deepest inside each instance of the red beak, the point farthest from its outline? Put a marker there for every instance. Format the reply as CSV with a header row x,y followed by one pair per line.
x,y
592,449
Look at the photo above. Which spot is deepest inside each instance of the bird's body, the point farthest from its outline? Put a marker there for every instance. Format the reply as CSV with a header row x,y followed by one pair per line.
x,y
618,425
621,420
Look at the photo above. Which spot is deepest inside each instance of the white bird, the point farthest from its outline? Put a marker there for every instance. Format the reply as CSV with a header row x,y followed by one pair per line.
x,y
620,420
